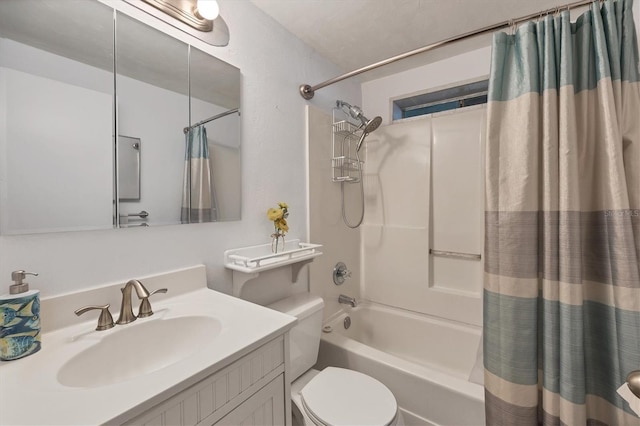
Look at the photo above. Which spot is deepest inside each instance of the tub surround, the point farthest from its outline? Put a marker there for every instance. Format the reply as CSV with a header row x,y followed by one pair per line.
x,y
32,393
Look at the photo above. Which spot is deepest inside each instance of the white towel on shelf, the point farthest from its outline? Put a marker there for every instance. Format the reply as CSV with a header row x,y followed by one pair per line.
x,y
632,400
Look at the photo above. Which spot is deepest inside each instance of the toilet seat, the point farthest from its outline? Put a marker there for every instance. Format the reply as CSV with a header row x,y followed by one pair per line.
x,y
337,396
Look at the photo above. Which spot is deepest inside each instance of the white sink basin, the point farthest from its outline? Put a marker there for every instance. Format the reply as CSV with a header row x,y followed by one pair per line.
x,y
136,349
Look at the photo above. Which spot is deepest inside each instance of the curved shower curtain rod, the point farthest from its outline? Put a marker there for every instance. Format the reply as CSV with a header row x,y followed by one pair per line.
x,y
307,91
215,117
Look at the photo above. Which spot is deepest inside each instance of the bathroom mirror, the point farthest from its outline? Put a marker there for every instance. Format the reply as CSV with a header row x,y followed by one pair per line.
x,y
59,165
216,105
56,97
152,104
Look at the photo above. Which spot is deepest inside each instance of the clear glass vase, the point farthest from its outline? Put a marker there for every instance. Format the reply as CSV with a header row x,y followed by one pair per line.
x,y
277,246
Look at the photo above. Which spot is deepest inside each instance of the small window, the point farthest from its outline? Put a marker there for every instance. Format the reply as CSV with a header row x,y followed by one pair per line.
x,y
441,100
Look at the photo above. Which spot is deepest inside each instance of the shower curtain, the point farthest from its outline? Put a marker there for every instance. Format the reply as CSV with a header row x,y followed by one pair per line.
x,y
562,245
197,195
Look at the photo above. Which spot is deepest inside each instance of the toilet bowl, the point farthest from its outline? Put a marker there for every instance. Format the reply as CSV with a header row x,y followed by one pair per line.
x,y
333,396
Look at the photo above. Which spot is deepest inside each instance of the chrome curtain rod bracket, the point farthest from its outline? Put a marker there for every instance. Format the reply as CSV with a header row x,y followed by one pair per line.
x,y
215,117
307,91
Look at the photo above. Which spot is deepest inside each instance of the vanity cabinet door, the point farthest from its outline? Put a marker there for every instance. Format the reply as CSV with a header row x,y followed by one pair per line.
x,y
254,384
264,408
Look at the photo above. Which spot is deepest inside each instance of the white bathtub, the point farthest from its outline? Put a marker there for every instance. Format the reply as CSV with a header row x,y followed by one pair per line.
x,y
426,362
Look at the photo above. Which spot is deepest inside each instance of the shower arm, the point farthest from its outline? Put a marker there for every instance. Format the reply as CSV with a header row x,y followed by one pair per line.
x,y
353,110
307,91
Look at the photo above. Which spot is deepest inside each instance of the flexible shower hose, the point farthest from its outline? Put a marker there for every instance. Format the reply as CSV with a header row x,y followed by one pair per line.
x,y
344,212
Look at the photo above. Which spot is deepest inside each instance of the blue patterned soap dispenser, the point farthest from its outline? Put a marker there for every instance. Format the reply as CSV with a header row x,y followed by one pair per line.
x,y
19,319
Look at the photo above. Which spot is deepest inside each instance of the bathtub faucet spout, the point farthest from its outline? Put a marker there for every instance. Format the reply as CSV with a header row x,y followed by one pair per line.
x,y
347,300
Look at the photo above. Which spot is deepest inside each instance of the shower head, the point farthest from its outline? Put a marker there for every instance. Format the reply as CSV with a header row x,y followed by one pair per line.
x,y
367,125
372,124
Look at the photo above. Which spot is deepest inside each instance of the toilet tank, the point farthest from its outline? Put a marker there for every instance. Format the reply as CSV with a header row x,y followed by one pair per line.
x,y
304,337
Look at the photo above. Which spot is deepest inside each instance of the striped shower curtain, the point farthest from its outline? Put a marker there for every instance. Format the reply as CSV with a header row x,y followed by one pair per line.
x,y
562,271
197,196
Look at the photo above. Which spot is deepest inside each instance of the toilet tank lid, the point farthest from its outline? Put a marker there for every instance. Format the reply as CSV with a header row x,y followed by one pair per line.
x,y
299,305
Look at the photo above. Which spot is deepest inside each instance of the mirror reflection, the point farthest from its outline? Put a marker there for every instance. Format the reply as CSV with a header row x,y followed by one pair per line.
x,y
215,116
61,166
152,83
129,168
56,80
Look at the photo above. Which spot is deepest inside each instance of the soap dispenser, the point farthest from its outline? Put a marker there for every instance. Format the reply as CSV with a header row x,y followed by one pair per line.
x,y
19,319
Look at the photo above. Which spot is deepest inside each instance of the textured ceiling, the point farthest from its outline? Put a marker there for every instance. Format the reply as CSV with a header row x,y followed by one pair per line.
x,y
356,33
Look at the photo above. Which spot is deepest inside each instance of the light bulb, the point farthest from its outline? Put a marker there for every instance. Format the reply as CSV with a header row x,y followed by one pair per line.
x,y
208,9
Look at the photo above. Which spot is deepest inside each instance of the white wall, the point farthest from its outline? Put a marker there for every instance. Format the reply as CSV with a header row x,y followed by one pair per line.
x,y
156,116
273,63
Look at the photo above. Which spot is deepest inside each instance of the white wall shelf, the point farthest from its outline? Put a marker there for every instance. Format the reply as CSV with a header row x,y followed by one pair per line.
x,y
248,262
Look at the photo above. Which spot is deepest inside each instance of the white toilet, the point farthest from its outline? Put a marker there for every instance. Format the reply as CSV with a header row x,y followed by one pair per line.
x,y
334,396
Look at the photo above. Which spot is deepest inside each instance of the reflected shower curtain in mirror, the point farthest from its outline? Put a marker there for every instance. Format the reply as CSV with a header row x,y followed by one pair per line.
x,y
562,244
197,194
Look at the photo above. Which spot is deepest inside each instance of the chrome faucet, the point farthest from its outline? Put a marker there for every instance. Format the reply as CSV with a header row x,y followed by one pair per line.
x,y
126,311
347,300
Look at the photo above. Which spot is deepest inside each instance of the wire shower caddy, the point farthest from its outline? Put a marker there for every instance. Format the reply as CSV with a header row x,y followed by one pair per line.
x,y
345,165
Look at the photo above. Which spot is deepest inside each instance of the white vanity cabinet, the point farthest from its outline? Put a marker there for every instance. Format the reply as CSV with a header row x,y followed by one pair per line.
x,y
249,391
234,372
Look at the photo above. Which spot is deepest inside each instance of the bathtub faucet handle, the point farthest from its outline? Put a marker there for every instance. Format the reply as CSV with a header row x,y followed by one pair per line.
x,y
340,273
345,273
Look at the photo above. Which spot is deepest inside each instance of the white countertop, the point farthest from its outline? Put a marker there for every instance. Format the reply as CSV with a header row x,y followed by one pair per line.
x,y
31,394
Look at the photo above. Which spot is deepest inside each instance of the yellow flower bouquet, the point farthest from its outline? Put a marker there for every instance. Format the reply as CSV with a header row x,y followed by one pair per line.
x,y
279,217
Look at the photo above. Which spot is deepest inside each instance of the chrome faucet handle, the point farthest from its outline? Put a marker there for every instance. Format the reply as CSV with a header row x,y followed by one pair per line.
x,y
340,273
145,306
105,320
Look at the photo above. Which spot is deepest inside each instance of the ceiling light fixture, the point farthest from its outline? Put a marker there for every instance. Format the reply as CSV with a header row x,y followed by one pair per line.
x,y
198,15
208,9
